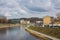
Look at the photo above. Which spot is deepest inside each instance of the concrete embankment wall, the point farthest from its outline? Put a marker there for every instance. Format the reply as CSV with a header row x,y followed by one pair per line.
x,y
37,34
41,35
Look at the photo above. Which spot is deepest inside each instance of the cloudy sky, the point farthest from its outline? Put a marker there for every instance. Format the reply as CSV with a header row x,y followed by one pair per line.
x,y
29,8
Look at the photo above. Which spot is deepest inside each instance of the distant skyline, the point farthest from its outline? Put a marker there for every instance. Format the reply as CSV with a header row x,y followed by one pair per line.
x,y
29,8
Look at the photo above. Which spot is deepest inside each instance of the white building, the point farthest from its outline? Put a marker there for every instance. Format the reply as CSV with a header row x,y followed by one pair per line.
x,y
24,22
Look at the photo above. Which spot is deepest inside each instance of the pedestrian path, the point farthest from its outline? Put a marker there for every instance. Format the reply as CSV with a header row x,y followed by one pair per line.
x,y
53,38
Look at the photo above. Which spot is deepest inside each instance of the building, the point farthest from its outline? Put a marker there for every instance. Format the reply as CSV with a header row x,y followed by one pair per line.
x,y
47,20
24,21
14,21
32,21
56,24
39,23
3,19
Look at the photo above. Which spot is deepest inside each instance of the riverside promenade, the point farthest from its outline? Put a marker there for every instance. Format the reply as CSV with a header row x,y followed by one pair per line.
x,y
8,25
41,35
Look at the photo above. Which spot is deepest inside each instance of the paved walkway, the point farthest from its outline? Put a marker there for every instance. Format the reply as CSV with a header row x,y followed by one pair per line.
x,y
53,38
8,25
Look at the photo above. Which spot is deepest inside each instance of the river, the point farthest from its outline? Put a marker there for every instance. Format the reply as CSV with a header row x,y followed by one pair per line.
x,y
16,33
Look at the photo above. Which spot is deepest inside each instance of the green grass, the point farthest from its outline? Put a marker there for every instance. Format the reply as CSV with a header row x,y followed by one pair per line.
x,y
55,32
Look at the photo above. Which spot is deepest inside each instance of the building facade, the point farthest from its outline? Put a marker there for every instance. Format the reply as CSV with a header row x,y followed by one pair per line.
x,y
47,20
3,19
56,24
32,21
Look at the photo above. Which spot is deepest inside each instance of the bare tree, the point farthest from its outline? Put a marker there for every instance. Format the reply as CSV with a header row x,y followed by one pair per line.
x,y
58,15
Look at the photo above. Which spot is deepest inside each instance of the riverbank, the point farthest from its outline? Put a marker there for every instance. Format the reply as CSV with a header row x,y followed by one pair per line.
x,y
37,34
41,34
8,25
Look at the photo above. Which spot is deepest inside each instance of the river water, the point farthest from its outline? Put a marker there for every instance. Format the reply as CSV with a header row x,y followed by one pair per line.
x,y
16,33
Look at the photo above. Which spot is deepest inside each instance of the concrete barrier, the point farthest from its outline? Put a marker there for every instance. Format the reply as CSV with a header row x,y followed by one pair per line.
x,y
38,35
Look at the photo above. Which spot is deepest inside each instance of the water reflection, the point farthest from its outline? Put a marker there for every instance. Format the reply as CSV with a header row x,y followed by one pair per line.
x,y
16,33
2,34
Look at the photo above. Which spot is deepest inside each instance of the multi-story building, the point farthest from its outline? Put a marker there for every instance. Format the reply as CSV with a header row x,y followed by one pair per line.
x,y
47,20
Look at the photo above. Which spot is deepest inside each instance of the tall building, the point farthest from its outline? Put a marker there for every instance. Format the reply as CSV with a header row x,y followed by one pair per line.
x,y
47,20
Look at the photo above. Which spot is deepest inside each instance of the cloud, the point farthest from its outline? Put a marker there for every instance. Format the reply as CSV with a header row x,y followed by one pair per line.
x,y
56,4
7,14
11,8
1,14
37,5
29,8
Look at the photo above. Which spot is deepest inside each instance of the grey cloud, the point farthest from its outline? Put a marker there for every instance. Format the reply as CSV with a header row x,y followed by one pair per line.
x,y
56,4
35,5
28,8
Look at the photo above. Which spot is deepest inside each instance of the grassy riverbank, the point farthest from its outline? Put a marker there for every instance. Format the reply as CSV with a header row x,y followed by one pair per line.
x,y
55,32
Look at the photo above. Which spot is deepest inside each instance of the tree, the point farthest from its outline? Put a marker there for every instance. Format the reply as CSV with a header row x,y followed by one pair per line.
x,y
58,15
